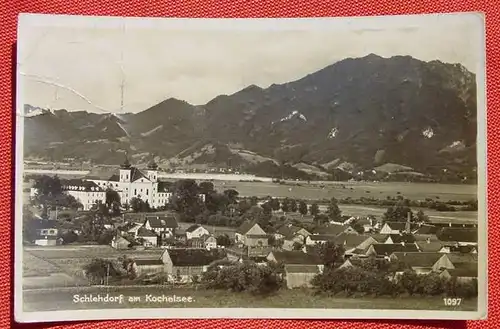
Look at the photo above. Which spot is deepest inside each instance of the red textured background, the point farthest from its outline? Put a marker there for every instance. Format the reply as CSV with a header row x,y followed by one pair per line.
x,y
263,8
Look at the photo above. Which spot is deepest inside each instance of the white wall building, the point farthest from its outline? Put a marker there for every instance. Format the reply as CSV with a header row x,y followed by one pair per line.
x,y
132,182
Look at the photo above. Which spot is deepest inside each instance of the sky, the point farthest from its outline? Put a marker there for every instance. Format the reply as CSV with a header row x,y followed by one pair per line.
x,y
82,67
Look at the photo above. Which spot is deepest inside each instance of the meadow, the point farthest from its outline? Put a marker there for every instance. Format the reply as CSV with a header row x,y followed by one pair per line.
x,y
355,190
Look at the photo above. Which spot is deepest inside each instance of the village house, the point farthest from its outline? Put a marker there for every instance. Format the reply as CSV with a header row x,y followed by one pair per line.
x,y
315,239
385,250
463,272
291,232
120,242
420,262
257,255
147,237
353,243
453,260
426,229
400,238
451,236
428,243
46,232
250,234
205,241
163,225
196,231
181,264
147,266
397,228
180,235
300,268
334,230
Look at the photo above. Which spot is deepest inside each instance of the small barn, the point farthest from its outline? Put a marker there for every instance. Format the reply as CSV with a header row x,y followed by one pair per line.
x,y
300,276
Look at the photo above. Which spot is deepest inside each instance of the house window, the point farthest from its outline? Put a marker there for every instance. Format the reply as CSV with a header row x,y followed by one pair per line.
x,y
141,190
52,231
147,192
135,191
127,176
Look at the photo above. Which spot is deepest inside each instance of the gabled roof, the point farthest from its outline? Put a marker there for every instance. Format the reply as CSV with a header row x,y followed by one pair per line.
x,y
245,227
454,225
451,234
193,228
380,237
457,258
431,246
331,229
417,259
296,257
467,270
162,221
350,240
42,224
399,226
146,262
427,229
80,184
136,174
257,236
114,178
398,238
193,257
382,249
322,237
144,232
301,269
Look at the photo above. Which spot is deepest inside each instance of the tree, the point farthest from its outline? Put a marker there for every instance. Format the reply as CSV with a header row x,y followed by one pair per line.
x,y
48,186
275,204
207,187
267,208
303,208
285,205
333,212
398,213
410,281
186,199
331,254
314,209
223,240
136,204
421,217
293,205
232,195
100,270
112,197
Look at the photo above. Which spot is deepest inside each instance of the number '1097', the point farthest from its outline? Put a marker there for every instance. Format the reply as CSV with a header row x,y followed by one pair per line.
x,y
452,301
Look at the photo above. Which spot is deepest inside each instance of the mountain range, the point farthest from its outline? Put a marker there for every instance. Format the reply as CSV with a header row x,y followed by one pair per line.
x,y
359,115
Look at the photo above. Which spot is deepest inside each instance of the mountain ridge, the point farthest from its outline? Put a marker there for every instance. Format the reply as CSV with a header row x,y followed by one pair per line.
x,y
417,114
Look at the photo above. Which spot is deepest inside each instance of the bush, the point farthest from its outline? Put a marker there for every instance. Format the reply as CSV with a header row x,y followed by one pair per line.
x,y
250,277
354,280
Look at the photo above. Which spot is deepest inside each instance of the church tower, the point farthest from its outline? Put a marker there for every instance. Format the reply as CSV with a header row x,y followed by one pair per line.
x,y
125,171
152,171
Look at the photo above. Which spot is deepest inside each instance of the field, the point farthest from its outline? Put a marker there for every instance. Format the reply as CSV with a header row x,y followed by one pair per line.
x,y
317,190
61,299
61,266
355,190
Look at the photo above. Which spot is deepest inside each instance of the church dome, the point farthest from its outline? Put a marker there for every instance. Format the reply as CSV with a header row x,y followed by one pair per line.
x,y
152,165
126,164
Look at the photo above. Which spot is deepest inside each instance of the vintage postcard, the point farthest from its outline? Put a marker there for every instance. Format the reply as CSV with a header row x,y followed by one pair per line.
x,y
251,168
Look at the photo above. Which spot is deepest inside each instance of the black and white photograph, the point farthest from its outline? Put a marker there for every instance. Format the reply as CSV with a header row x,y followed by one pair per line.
x,y
250,168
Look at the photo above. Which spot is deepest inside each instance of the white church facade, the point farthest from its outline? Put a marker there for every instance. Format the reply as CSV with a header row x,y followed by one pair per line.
x,y
131,182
